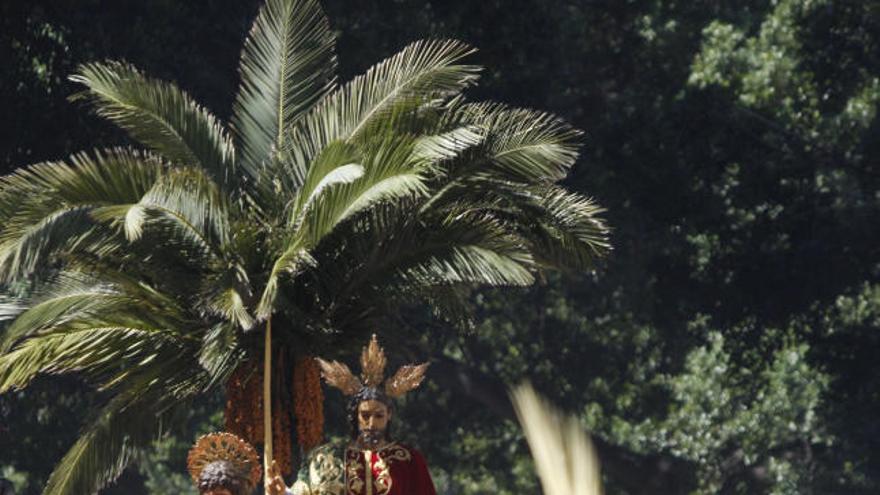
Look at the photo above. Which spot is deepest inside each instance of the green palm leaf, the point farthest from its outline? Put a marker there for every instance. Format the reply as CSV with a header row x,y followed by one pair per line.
x,y
292,261
337,164
105,176
48,207
424,72
287,64
71,303
569,231
126,425
220,353
522,144
229,304
60,229
104,450
185,199
435,149
391,249
464,248
94,349
469,265
160,116
388,172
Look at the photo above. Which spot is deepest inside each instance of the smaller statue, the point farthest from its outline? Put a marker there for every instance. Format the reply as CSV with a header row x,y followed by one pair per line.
x,y
224,464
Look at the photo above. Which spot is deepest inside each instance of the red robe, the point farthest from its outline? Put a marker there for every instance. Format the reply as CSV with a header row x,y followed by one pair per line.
x,y
395,469
341,469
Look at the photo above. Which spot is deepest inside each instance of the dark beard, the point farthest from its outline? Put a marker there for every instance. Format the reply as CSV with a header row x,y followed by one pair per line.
x,y
372,438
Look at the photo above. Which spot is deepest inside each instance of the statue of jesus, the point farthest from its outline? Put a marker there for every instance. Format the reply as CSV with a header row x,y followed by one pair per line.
x,y
370,462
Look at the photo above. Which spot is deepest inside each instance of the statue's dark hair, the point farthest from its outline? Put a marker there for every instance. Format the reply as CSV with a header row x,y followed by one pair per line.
x,y
223,474
365,394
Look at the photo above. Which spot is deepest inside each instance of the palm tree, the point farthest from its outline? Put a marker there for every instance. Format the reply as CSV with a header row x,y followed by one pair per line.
x,y
320,206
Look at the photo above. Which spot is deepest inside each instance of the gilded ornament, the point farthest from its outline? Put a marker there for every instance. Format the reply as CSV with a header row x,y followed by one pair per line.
x,y
224,447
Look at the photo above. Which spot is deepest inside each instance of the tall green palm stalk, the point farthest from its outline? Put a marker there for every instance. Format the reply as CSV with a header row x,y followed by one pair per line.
x,y
321,206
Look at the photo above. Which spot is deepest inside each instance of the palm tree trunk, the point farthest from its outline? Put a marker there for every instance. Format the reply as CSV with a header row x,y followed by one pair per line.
x,y
267,398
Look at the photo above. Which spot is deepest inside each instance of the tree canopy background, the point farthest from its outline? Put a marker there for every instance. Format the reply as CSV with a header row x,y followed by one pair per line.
x,y
727,346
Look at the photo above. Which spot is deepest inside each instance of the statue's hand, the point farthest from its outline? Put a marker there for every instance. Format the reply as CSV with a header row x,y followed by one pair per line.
x,y
274,482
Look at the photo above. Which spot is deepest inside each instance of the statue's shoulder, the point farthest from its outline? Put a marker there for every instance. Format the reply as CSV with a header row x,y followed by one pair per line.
x,y
323,471
400,452
324,458
408,447
333,447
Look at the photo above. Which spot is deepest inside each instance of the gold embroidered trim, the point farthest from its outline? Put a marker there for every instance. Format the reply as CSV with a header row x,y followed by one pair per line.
x,y
354,481
359,472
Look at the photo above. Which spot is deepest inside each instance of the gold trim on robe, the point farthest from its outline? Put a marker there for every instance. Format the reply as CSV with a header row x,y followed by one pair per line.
x,y
359,471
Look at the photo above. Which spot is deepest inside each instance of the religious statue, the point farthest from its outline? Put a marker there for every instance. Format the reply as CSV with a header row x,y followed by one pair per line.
x,y
370,462
224,464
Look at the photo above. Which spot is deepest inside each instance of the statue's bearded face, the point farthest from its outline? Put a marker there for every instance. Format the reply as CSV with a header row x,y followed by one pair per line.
x,y
373,417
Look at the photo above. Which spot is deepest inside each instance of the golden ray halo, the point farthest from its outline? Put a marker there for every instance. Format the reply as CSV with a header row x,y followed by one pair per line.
x,y
373,362
224,447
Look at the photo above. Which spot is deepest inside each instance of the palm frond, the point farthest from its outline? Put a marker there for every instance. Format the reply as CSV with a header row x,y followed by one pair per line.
x,y
565,459
103,451
568,230
291,262
47,207
62,228
449,303
391,248
469,265
74,301
11,307
160,116
112,176
288,63
563,230
423,72
337,164
220,353
227,302
434,149
524,145
184,199
150,301
138,413
389,172
95,350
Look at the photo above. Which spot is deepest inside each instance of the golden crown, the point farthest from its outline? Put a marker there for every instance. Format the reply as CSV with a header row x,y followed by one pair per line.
x,y
373,363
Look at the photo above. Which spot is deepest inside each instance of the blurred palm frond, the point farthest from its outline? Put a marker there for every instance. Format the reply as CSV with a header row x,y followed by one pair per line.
x,y
565,458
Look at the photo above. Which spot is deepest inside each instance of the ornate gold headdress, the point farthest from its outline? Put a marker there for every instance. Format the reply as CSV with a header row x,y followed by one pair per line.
x,y
224,447
373,363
